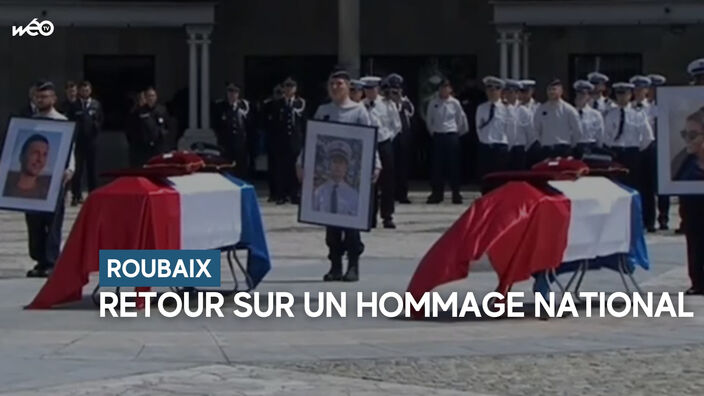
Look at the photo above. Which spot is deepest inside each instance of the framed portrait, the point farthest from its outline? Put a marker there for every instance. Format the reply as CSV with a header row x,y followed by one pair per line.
x,y
338,163
35,152
680,140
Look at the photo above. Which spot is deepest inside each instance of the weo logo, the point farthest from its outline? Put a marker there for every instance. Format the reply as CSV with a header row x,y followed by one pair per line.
x,y
34,28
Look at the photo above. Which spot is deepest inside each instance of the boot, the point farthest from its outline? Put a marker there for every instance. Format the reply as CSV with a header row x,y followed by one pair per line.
x,y
352,274
335,273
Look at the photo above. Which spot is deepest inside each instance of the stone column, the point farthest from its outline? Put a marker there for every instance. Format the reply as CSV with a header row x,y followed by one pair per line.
x,y
192,80
526,58
348,47
205,79
503,54
516,55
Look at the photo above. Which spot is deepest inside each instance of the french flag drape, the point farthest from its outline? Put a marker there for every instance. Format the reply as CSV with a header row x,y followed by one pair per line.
x,y
526,228
196,211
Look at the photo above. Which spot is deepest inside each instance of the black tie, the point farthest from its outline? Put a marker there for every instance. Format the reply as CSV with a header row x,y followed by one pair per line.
x,y
595,104
333,199
492,109
581,112
620,124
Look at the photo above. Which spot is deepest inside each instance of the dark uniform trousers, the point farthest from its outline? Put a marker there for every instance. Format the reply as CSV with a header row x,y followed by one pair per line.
x,y
402,160
648,184
384,189
341,240
86,150
534,154
632,159
493,158
236,150
446,161
286,150
518,158
692,212
45,234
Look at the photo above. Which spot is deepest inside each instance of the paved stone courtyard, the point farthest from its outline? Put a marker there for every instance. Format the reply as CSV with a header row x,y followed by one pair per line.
x,y
72,351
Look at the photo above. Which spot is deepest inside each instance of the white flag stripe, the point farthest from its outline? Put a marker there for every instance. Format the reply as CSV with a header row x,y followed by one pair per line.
x,y
211,210
600,218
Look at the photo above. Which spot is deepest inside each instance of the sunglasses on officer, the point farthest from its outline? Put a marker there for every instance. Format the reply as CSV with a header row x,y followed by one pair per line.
x,y
689,136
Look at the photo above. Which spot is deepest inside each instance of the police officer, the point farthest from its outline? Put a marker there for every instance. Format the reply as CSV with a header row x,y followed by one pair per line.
x,y
356,90
288,128
149,130
446,121
641,88
88,114
230,121
404,139
267,115
493,123
335,195
44,228
592,121
343,240
658,80
385,114
525,95
557,123
628,134
600,98
520,122
71,92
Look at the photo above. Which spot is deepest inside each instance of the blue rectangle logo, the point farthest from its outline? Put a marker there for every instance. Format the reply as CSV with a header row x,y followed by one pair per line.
x,y
160,268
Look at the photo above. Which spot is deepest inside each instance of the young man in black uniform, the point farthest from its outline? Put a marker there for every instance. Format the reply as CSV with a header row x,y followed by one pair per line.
x,y
88,114
230,121
149,129
288,119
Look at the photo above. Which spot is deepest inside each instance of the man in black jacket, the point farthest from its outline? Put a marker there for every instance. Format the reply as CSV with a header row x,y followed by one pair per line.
x,y
88,115
148,129
288,122
230,122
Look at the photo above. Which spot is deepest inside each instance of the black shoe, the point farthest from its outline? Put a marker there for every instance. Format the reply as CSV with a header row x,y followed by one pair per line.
x,y
75,201
39,272
295,200
281,201
664,227
434,199
404,200
679,231
651,229
389,224
457,199
335,273
694,292
352,274
271,199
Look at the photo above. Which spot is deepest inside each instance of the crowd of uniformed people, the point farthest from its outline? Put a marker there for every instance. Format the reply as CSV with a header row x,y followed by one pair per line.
x,y
512,129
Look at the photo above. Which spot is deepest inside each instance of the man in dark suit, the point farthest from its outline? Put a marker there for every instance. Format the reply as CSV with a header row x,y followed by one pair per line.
x,y
230,121
148,130
88,114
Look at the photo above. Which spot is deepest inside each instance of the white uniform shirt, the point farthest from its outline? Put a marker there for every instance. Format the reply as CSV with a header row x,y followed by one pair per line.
x,y
604,104
385,113
649,109
494,123
557,123
55,115
446,116
532,105
521,125
592,125
347,198
636,128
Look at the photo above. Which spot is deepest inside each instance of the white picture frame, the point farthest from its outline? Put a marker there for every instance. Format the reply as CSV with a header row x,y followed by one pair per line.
x,y
674,105
35,152
327,146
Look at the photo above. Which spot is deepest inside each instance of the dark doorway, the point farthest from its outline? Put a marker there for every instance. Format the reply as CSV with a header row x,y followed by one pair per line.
x,y
116,79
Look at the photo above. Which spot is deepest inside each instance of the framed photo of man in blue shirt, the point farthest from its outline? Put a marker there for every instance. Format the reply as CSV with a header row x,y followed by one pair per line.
x,y
338,163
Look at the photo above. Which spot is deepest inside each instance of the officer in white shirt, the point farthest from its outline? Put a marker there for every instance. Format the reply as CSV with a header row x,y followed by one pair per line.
x,y
640,102
403,142
628,135
521,133
696,70
600,97
446,121
525,95
557,123
384,111
591,119
493,129
658,80
356,90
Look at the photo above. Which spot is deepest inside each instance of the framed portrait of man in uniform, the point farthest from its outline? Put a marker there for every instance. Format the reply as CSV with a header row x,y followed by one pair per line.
x,y
35,152
338,163
680,140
